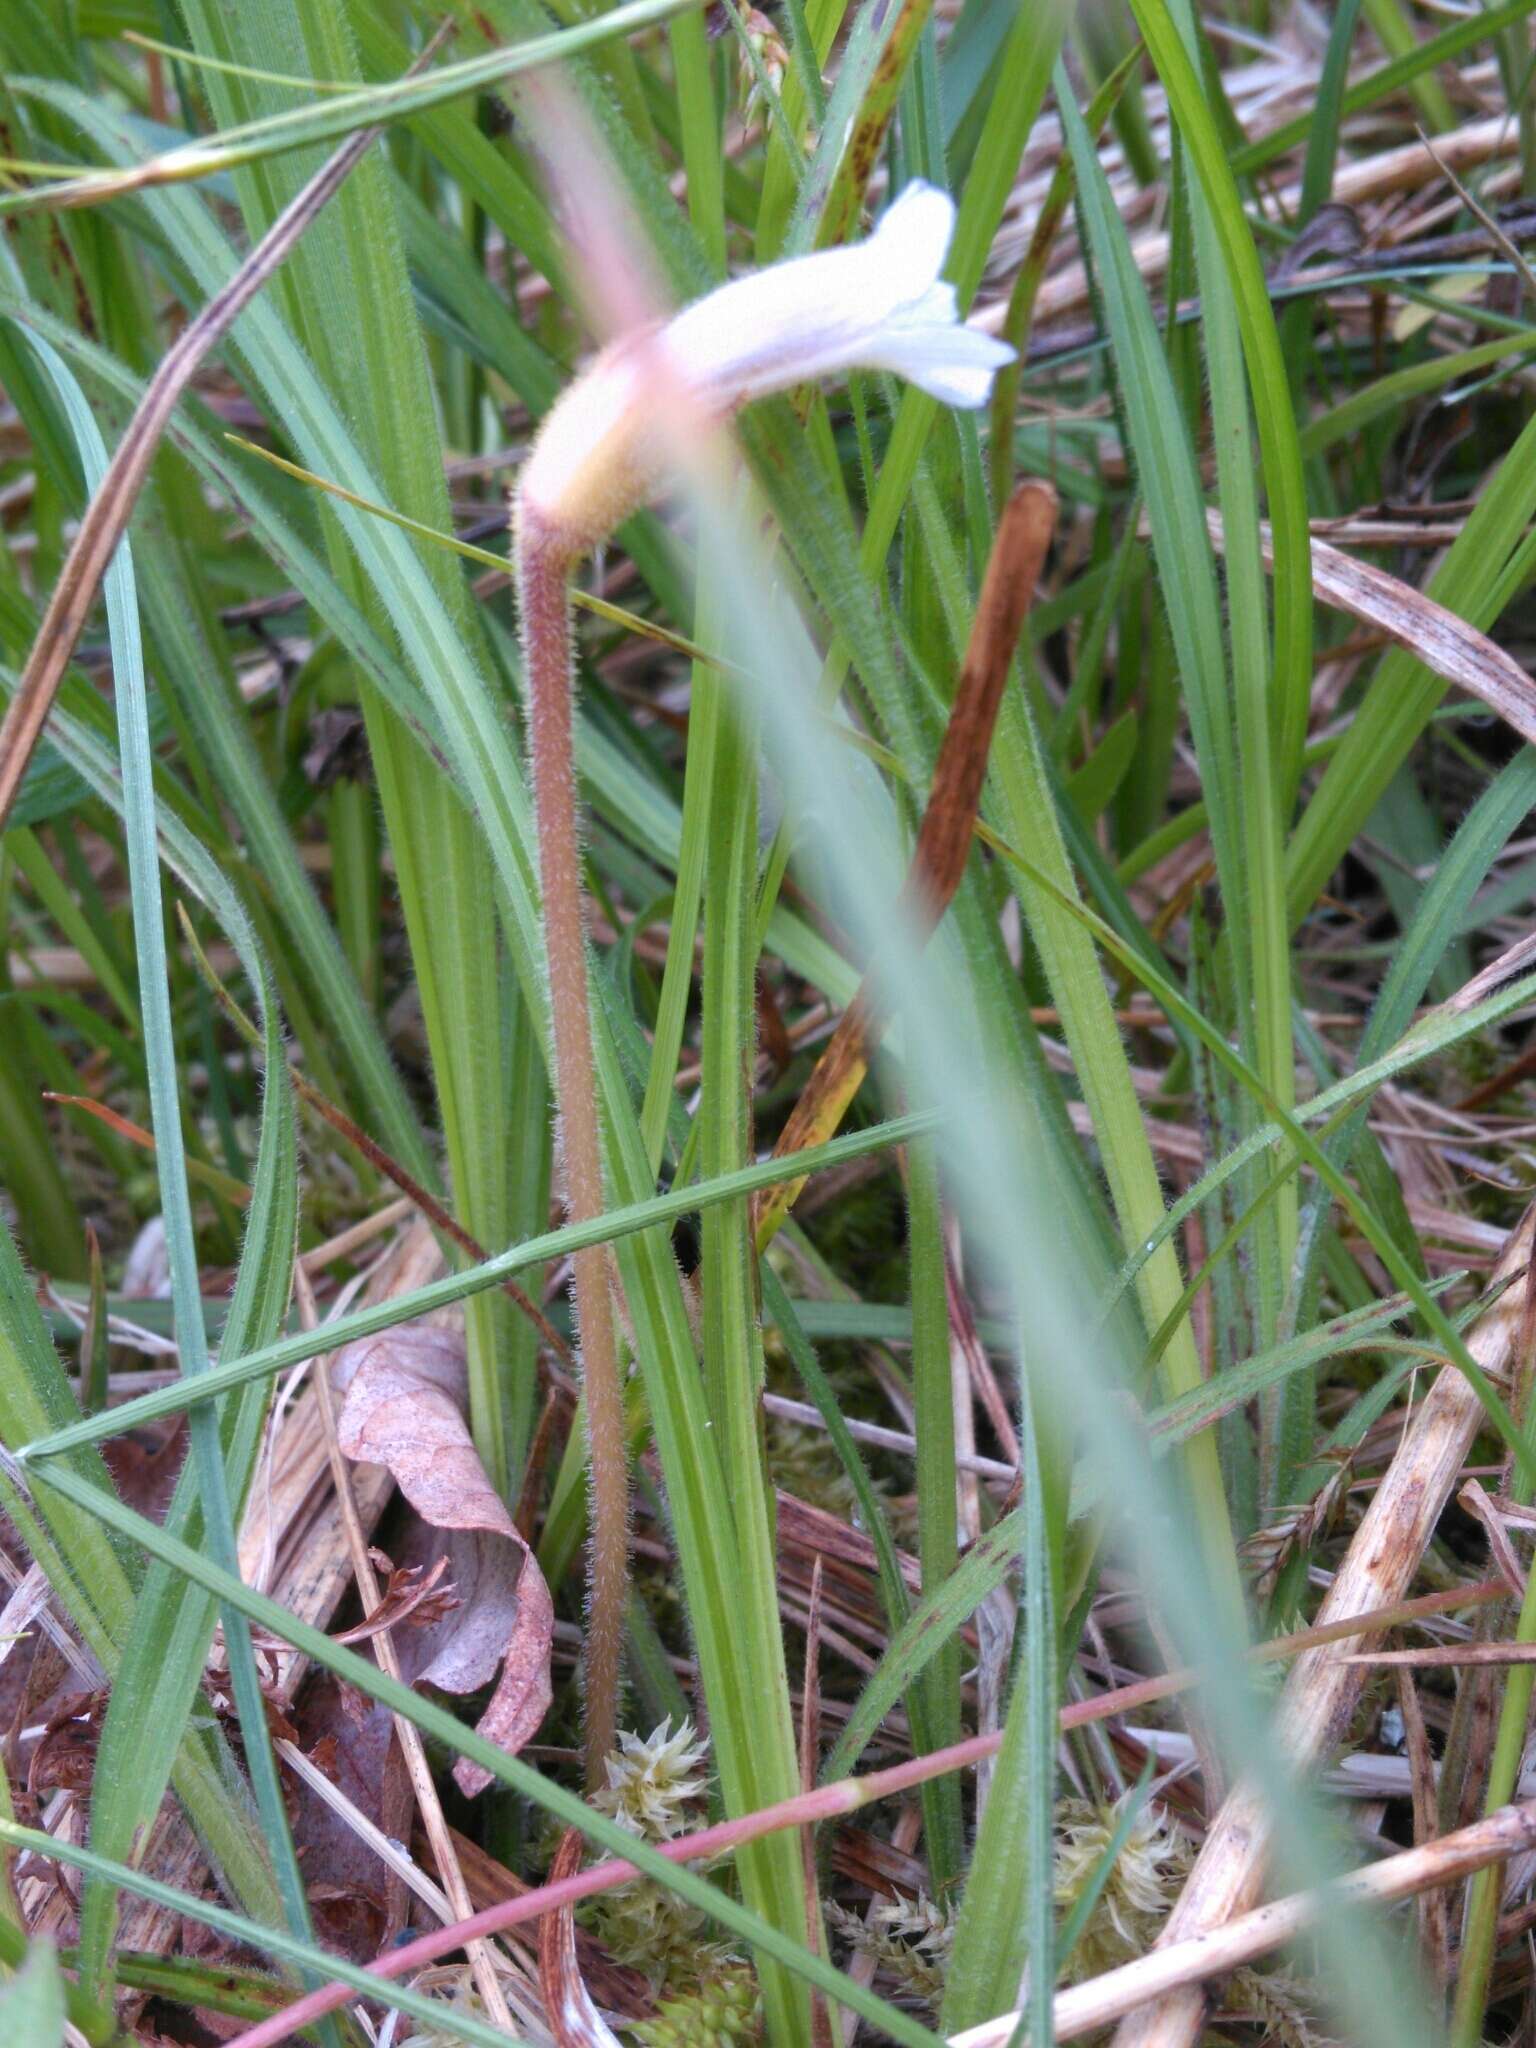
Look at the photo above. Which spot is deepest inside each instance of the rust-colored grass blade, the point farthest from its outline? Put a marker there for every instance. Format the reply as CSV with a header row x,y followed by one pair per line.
x,y
944,837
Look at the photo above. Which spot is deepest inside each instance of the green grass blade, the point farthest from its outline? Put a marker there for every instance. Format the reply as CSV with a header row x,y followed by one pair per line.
x,y
32,2003
1433,1035
271,1241
1266,769
1007,1918
1269,386
772,1873
878,51
617,1225
922,1636
1323,138
1343,421
256,141
436,1722
937,1693
1170,488
444,874
1175,1421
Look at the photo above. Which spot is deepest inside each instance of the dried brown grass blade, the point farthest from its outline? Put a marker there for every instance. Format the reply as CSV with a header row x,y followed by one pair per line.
x,y
1434,1917
573,2018
1500,1550
944,836
1437,637
1185,1966
106,517
1508,249
1324,1685
197,1169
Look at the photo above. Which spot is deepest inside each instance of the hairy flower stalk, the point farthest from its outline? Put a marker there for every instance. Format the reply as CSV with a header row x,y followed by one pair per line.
x,y
543,570
606,448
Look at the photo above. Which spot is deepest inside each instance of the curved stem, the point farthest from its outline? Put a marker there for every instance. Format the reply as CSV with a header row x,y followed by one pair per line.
x,y
543,583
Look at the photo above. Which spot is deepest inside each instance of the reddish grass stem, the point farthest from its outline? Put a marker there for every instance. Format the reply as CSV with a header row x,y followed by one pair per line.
x,y
544,562
825,1802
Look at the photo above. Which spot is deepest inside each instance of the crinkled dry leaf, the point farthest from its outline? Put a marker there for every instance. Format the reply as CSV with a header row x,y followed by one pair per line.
x,y
404,1408
356,1750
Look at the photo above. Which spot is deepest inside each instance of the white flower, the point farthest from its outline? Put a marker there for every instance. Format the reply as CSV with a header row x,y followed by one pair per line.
x,y
877,306
880,305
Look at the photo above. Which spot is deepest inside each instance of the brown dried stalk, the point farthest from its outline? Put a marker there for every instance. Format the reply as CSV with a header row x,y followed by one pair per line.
x,y
806,1809
106,517
949,821
1323,1686
1437,637
1185,1965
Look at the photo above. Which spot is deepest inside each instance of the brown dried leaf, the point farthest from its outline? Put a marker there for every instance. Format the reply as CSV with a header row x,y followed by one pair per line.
x,y
1437,637
404,1408
145,1466
349,1918
65,1757
573,2017
1501,1551
944,836
358,1753
1334,230
326,1756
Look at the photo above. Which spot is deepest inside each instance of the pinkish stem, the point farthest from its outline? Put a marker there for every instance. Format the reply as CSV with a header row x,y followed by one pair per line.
x,y
804,1809
543,583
